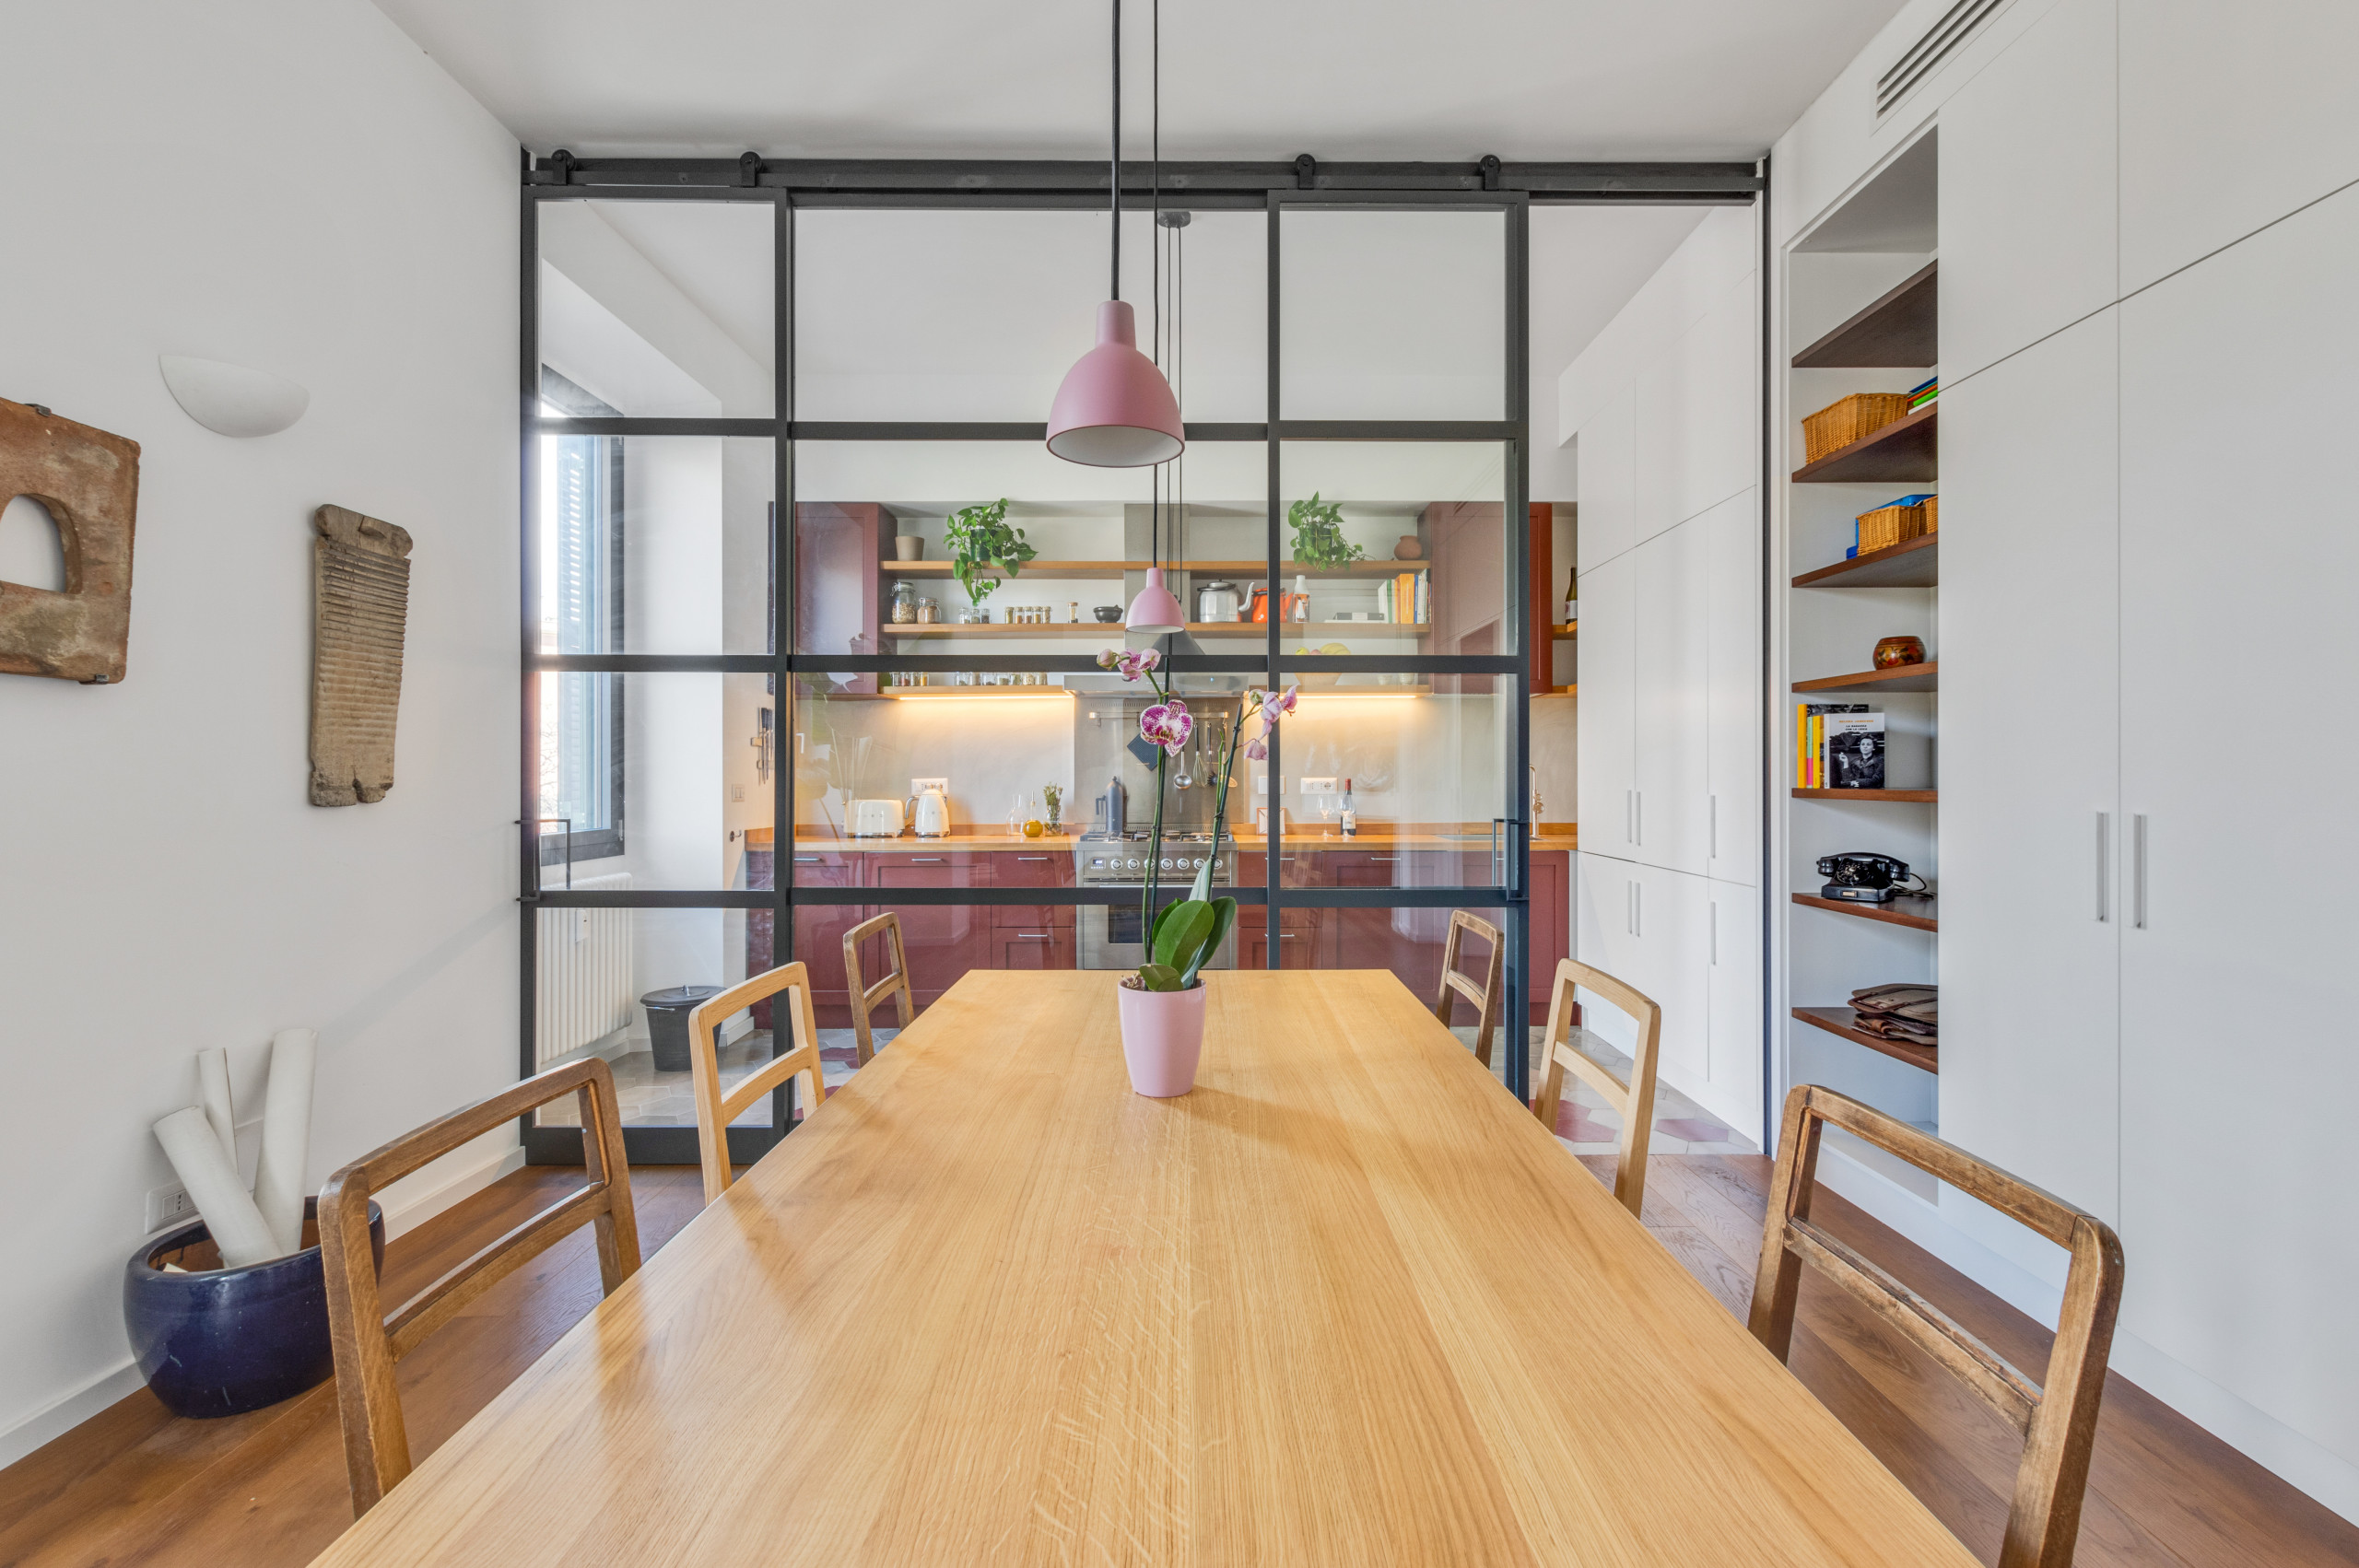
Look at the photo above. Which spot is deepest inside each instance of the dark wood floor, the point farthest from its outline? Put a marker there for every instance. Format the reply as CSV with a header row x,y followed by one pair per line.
x,y
136,1485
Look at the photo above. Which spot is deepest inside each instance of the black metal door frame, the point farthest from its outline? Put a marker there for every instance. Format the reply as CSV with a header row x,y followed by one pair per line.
x,y
786,185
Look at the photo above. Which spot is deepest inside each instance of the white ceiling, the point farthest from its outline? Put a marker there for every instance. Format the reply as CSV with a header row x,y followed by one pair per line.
x,y
1526,80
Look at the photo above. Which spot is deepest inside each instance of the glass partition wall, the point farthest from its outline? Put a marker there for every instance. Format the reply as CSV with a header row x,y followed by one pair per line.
x,y
770,689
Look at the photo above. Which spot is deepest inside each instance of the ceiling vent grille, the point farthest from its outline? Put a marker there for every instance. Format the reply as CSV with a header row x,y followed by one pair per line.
x,y
1922,58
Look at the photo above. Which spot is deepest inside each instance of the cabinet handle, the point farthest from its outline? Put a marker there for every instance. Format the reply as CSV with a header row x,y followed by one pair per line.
x,y
2138,871
2104,840
925,859
1286,936
1715,920
806,860
1712,819
1031,857
1388,859
1629,817
1031,936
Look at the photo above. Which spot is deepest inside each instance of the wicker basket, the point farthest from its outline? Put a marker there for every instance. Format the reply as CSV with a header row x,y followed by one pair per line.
x,y
1932,514
1839,424
1887,526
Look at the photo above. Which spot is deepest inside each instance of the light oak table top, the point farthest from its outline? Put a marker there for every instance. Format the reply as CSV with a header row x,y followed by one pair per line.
x,y
1347,1303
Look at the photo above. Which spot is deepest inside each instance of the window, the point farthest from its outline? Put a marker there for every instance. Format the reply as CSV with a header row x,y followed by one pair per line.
x,y
582,611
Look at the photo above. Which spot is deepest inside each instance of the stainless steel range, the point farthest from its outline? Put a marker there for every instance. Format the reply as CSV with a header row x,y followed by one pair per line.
x,y
1110,936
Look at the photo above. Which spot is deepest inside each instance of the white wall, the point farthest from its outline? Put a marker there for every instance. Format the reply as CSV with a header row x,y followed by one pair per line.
x,y
296,187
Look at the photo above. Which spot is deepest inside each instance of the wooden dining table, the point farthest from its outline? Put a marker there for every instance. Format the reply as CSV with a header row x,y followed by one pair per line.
x,y
1345,1303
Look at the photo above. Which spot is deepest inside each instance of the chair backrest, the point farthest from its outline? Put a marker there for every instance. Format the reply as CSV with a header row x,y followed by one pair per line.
x,y
2058,1419
1454,984
716,1110
896,984
367,1342
1633,1101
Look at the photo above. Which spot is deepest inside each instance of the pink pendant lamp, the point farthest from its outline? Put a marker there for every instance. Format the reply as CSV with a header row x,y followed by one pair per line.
x,y
1115,410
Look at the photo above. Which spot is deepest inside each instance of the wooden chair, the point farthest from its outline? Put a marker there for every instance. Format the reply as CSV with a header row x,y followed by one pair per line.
x,y
367,1342
2059,1422
1486,998
895,984
1635,1100
715,1110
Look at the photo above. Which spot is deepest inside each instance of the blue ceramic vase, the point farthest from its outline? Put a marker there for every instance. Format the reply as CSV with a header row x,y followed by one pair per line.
x,y
222,1341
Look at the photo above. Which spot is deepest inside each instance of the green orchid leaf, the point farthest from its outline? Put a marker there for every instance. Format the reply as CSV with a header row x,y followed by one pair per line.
x,y
1181,941
1159,977
1224,916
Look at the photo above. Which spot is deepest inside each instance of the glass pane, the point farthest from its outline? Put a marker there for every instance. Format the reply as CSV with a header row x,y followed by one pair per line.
x,y
659,779
1393,315
1351,506
935,314
619,983
1423,771
994,753
660,309
655,544
862,505
1411,943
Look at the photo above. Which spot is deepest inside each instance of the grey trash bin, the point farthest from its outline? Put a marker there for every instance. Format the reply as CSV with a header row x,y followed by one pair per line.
x,y
667,1022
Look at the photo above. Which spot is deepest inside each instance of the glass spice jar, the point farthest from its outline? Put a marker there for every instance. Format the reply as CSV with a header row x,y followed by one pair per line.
x,y
928,612
905,604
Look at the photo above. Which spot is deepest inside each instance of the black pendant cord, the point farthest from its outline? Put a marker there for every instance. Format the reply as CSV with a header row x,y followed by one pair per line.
x,y
1114,159
1154,167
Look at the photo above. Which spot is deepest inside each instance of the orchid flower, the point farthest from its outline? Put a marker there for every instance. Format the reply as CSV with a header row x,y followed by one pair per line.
x,y
1108,657
1137,661
1167,724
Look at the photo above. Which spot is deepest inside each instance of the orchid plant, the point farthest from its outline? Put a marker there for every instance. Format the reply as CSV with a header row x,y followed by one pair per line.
x,y
1186,933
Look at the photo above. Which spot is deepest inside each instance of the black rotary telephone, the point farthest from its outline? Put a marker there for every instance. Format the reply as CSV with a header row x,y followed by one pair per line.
x,y
1862,878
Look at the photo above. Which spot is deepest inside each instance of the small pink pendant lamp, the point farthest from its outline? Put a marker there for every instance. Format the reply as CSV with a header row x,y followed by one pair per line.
x,y
1115,410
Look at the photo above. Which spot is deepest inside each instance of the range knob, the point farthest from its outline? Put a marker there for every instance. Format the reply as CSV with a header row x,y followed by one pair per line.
x,y
1198,863
1132,865
1166,862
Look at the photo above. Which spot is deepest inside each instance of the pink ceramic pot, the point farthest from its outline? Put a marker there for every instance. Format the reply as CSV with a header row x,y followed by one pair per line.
x,y
1163,1034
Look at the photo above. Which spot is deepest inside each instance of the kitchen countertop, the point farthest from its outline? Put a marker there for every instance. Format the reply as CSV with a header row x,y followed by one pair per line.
x,y
1553,839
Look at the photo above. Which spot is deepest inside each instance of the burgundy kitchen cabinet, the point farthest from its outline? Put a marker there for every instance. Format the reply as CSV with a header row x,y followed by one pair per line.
x,y
1033,946
819,936
1551,904
943,940
838,592
1305,936
1048,867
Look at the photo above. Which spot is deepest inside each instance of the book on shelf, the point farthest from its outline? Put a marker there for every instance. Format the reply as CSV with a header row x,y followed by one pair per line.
x,y
1810,739
1922,397
1403,599
1855,751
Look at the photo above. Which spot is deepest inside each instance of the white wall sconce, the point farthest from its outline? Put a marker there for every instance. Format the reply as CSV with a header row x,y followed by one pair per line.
x,y
231,399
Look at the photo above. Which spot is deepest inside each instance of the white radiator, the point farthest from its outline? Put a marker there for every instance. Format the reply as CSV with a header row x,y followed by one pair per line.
x,y
581,974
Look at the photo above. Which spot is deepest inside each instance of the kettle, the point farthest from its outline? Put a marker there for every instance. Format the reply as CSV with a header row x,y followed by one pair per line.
x,y
1218,601
930,813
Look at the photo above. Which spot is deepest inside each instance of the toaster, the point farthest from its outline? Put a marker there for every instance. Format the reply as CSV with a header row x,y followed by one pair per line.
x,y
877,819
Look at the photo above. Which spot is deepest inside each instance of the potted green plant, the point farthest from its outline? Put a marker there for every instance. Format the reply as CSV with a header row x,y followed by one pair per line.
x,y
1162,1006
981,537
1318,534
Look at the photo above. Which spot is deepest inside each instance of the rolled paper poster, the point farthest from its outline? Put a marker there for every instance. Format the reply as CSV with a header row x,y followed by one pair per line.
x,y
221,1199
286,1135
213,1095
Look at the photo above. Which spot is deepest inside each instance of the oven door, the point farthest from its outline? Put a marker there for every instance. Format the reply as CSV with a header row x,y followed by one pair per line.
x,y
1112,936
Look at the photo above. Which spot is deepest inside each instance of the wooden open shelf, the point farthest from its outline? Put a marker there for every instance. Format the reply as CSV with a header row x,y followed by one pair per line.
x,y
1912,796
1258,570
1569,628
1291,632
1912,562
1915,912
1903,452
1896,331
1899,678
1573,690
1842,1020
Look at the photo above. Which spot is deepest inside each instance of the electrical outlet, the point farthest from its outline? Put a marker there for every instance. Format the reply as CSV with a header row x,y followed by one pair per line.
x,y
737,791
1318,787
919,786
169,1206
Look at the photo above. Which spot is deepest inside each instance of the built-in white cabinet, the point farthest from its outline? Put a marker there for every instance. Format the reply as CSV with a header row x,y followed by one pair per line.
x,y
2031,817
1607,480
1670,811
1607,784
2028,190
2231,116
1733,915
1732,719
2239,647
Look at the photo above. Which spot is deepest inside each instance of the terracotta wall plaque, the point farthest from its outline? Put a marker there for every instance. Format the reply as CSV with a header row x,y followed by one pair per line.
x,y
360,596
89,482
